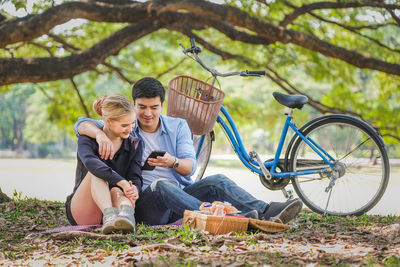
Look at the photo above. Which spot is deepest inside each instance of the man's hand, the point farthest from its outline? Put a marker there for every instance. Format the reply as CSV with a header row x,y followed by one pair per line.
x,y
185,165
106,148
165,161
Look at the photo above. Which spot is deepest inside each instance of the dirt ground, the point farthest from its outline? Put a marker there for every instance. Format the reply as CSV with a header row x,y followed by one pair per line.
x,y
312,240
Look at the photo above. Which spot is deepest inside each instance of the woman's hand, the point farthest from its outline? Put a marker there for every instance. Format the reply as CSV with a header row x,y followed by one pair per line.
x,y
134,195
130,191
135,191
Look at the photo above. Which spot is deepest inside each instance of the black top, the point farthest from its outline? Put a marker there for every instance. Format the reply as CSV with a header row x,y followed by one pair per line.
x,y
124,165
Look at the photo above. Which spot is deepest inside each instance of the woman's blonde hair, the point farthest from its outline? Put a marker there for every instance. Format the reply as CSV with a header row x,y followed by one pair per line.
x,y
112,106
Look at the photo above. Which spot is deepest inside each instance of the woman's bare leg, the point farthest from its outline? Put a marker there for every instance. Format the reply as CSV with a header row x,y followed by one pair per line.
x,y
101,193
126,216
118,198
89,200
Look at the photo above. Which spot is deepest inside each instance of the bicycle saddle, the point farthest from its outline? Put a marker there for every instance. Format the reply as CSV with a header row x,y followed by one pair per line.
x,y
291,101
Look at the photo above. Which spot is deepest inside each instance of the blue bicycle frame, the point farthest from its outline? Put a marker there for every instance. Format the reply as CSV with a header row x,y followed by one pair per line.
x,y
233,134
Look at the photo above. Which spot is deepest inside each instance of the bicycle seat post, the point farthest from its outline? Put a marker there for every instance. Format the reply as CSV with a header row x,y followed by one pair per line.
x,y
290,113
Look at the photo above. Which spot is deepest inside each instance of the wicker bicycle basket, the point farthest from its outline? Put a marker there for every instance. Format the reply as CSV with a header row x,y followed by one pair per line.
x,y
195,101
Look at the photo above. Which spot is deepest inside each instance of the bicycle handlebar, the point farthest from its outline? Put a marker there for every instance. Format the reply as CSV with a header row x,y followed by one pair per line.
x,y
253,73
195,50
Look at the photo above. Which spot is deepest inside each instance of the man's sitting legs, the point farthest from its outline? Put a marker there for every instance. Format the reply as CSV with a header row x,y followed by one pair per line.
x,y
164,202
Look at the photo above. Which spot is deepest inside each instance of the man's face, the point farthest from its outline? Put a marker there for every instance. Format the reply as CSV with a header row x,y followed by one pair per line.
x,y
148,111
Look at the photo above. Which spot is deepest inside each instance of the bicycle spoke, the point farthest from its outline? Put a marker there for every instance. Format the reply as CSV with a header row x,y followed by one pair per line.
x,y
312,179
357,147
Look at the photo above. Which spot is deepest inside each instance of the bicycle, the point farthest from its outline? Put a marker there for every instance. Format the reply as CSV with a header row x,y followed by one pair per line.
x,y
337,164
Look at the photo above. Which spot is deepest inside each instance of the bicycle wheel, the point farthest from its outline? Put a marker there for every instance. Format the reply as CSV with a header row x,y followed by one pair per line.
x,y
204,155
360,158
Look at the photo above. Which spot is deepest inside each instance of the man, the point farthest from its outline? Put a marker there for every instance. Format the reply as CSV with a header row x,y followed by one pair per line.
x,y
168,189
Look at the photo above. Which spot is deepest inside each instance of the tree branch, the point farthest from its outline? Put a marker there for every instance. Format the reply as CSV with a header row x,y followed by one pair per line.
x,y
32,26
43,47
158,76
18,70
70,47
392,135
63,43
80,97
2,18
298,11
396,18
278,34
119,72
356,32
41,89
186,21
372,26
317,105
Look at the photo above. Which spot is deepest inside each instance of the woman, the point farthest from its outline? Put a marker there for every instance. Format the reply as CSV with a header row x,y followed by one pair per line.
x,y
106,190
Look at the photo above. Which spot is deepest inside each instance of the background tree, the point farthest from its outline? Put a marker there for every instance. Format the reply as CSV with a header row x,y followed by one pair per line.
x,y
14,111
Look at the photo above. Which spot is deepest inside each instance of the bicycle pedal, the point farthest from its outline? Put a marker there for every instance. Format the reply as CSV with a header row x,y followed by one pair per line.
x,y
287,193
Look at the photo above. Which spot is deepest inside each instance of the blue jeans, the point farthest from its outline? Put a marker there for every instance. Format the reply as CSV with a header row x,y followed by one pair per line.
x,y
164,202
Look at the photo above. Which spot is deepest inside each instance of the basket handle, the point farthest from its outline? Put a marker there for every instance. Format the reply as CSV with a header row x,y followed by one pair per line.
x,y
190,221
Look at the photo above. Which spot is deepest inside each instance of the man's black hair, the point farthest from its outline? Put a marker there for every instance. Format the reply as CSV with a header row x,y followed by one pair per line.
x,y
148,87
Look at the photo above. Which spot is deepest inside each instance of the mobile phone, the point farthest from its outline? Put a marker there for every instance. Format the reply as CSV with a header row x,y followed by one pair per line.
x,y
154,154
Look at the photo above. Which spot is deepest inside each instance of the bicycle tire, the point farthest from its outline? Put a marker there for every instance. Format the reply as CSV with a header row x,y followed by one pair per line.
x,y
366,175
204,155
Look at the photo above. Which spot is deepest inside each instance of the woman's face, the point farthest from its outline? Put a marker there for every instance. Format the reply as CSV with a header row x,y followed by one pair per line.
x,y
123,126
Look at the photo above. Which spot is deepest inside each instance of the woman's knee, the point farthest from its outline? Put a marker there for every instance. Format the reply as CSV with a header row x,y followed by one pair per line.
x,y
116,192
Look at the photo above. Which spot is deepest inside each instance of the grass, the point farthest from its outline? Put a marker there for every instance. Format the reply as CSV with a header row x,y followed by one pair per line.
x,y
25,216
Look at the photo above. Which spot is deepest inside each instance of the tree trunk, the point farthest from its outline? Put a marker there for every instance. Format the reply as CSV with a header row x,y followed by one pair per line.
x,y
4,197
18,141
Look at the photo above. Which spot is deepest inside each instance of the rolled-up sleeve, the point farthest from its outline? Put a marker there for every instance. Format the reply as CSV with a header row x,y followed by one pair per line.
x,y
98,123
184,145
92,162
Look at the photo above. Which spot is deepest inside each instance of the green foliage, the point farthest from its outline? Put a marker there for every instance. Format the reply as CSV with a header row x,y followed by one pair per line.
x,y
372,94
38,128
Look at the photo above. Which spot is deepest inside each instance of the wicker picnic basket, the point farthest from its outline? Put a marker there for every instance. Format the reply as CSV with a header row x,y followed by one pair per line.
x,y
222,225
195,101
215,224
